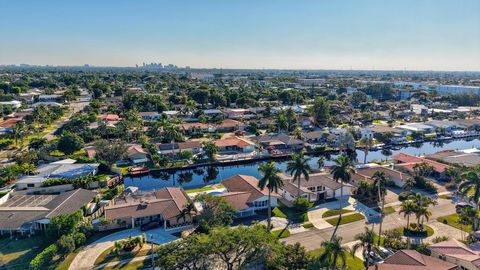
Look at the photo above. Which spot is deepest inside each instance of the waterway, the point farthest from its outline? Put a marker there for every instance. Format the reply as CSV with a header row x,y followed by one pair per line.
x,y
189,179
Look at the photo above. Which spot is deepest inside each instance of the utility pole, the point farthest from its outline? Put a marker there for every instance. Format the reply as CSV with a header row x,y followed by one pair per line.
x,y
152,253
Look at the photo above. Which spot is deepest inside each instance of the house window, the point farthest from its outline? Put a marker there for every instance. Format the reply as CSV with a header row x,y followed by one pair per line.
x,y
320,188
30,185
311,189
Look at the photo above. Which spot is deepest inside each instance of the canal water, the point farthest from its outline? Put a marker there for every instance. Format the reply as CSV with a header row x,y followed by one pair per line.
x,y
199,177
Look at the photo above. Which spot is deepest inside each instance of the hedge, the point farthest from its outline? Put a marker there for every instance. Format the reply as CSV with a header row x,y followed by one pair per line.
x,y
44,257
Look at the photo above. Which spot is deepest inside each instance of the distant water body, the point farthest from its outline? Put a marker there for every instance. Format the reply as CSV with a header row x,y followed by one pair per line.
x,y
189,179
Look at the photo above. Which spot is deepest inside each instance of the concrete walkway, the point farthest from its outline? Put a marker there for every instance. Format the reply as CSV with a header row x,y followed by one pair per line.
x,y
85,259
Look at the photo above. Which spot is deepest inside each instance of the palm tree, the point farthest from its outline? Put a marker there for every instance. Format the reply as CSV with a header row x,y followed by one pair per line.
x,y
366,243
409,184
321,162
18,132
210,150
187,211
408,208
471,182
380,180
297,167
333,253
272,181
366,143
342,171
422,213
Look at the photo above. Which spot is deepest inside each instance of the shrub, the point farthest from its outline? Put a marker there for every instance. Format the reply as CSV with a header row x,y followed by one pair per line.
x,y
404,195
301,204
66,244
44,257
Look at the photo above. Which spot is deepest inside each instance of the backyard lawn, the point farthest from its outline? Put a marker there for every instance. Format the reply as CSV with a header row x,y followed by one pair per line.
x,y
353,263
452,220
345,219
17,254
282,233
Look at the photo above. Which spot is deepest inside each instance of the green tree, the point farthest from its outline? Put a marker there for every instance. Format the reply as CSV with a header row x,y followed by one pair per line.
x,y
365,241
272,181
110,151
66,244
216,210
407,209
295,257
380,180
342,172
299,167
366,143
333,255
321,111
210,150
69,143
470,185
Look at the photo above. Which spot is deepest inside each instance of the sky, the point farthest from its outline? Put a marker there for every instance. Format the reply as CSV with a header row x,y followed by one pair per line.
x,y
281,34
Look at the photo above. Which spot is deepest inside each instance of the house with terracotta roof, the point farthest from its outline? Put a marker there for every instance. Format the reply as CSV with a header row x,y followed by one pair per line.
x,y
7,125
109,117
279,141
163,205
458,253
173,149
366,174
257,198
320,186
239,201
406,162
235,144
136,154
412,260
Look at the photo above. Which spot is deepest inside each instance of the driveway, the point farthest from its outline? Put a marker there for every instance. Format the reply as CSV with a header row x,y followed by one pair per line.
x,y
85,259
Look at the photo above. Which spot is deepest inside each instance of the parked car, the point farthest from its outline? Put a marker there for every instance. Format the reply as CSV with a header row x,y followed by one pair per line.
x,y
151,225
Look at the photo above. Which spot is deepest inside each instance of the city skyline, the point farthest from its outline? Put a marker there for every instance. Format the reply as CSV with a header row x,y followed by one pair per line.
x,y
371,35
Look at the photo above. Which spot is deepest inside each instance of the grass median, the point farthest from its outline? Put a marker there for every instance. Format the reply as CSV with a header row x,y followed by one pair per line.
x,y
345,219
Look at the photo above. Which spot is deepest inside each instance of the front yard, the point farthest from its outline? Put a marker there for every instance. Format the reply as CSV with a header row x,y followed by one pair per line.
x,y
17,254
345,219
452,220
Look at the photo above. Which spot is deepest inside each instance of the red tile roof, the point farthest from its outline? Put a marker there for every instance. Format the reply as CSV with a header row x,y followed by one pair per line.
x,y
8,123
233,141
238,200
244,183
109,117
456,249
412,260
411,160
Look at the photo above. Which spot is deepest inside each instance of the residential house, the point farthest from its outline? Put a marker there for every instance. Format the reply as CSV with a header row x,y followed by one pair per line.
x,y
235,144
318,136
412,260
6,125
14,103
109,117
458,253
59,169
407,162
136,154
240,201
320,186
257,199
238,113
172,149
51,98
397,135
417,127
306,122
25,214
150,116
163,205
280,141
443,126
366,173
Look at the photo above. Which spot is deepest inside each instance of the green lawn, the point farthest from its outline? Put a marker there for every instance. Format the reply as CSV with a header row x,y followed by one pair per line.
x,y
388,210
65,264
445,196
307,225
206,188
17,254
290,213
282,233
353,263
130,265
109,256
346,219
335,212
452,220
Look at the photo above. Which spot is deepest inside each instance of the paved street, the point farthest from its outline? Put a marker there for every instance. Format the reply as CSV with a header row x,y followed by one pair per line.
x,y
312,238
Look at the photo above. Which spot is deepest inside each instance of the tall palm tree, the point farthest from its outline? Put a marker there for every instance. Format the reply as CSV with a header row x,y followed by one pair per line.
x,y
471,182
366,243
409,184
342,171
272,181
380,180
422,213
408,208
366,143
299,167
333,253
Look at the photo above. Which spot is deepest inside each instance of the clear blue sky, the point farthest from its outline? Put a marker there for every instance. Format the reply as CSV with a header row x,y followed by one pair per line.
x,y
316,34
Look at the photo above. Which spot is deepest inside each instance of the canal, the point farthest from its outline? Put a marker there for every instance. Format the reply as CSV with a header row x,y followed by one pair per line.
x,y
199,177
